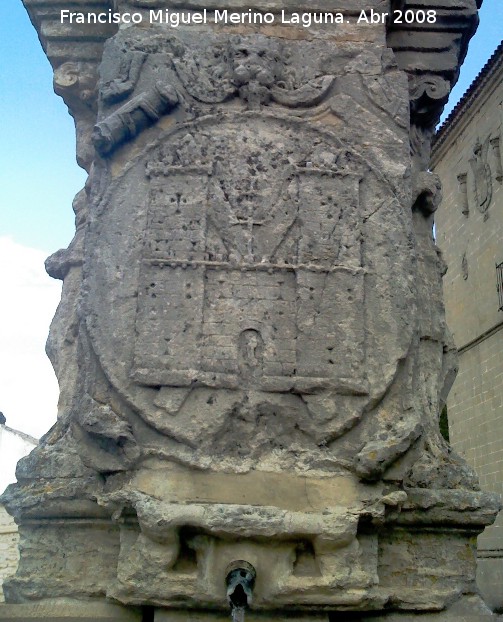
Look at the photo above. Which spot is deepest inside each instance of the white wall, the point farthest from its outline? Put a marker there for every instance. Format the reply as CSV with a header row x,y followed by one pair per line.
x,y
13,446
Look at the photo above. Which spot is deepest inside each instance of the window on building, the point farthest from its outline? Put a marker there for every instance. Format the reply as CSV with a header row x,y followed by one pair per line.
x,y
499,284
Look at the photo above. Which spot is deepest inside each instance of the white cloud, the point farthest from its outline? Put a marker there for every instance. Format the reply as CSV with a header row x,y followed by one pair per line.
x,y
28,386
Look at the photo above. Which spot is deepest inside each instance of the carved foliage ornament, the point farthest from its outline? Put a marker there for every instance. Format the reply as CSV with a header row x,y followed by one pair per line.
x,y
258,71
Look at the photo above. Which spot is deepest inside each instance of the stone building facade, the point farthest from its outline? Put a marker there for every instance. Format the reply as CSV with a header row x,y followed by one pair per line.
x,y
13,446
8,547
469,224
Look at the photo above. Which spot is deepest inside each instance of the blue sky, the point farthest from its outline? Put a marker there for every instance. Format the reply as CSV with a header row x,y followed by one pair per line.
x,y
40,175
39,178
37,152
487,38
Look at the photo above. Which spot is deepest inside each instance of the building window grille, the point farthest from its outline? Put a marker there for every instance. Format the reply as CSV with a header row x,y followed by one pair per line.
x,y
499,285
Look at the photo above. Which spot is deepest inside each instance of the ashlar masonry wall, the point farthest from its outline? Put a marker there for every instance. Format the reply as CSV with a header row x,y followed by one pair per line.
x,y
9,554
469,226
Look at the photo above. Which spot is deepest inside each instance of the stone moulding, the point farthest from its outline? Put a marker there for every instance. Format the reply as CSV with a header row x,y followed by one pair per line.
x,y
251,344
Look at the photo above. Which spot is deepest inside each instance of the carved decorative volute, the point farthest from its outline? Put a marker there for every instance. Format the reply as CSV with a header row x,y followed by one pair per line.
x,y
431,54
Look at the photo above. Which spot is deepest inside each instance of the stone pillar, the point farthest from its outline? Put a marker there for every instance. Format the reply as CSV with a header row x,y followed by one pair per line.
x,y
251,344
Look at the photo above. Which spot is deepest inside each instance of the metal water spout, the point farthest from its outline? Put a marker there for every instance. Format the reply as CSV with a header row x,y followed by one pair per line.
x,y
240,581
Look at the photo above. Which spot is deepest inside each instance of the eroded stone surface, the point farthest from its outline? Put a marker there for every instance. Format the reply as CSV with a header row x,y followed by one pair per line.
x,y
251,344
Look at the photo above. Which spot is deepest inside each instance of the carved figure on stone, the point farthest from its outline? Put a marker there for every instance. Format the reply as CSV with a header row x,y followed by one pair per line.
x,y
127,75
255,68
251,348
262,72
124,123
141,109
425,90
76,82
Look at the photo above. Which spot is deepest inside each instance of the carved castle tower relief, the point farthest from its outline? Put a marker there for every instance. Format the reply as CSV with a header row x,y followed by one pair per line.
x,y
251,345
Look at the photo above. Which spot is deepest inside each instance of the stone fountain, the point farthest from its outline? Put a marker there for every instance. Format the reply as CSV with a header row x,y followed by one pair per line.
x,y
251,345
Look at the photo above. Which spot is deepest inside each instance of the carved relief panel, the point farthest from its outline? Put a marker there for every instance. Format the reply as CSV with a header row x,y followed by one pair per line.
x,y
259,240
252,263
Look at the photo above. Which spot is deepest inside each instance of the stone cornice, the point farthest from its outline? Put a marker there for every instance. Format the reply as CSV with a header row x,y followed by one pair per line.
x,y
487,76
70,42
431,53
